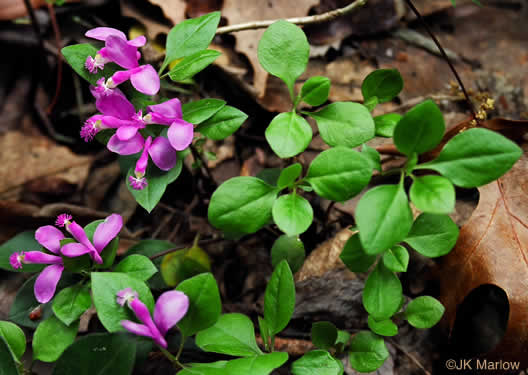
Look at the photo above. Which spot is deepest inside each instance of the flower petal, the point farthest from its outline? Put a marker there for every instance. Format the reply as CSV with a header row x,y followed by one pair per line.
x,y
132,146
40,257
125,133
139,41
79,234
74,249
170,308
136,329
107,231
180,134
49,237
146,80
116,105
162,154
47,281
120,52
102,33
171,109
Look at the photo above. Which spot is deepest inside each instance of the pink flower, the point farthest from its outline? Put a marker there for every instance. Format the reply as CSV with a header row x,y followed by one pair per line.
x,y
159,149
117,49
46,283
170,308
104,233
180,132
144,79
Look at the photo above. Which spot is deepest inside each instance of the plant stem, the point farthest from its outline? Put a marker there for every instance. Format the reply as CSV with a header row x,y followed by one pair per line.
x,y
446,58
170,357
318,18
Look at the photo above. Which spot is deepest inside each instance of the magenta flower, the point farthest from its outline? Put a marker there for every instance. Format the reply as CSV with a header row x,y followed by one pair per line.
x,y
180,132
170,308
117,113
117,49
159,149
104,233
46,283
144,79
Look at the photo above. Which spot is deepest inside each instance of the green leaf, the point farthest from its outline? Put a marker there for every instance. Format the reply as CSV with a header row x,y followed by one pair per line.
x,y
149,248
242,205
232,334
433,235
354,257
420,130
70,303
396,259
200,110
283,51
433,194
205,305
385,124
264,332
385,84
279,299
14,338
475,157
383,327
190,65
288,175
109,252
7,362
290,249
213,368
257,365
158,180
368,352
25,303
98,354
339,173
24,241
371,103
190,36
184,264
389,223
317,362
105,286
51,339
293,214
324,335
382,294
373,157
288,134
137,266
223,123
344,124
315,90
424,312
76,56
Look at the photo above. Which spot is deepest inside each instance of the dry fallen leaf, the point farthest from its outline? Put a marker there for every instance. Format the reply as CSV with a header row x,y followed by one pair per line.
x,y
240,11
493,249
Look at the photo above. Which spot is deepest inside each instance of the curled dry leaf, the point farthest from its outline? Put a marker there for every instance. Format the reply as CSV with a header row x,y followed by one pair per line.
x,y
493,249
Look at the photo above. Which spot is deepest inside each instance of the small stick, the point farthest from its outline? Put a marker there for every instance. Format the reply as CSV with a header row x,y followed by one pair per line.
x,y
446,58
411,357
58,43
318,18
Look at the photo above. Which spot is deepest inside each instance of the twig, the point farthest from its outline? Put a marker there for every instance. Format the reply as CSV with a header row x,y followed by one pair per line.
x,y
446,58
58,43
183,246
318,18
411,357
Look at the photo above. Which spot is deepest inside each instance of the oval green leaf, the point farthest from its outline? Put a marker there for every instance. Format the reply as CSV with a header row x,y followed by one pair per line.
x,y
288,175
200,110
258,365
424,312
137,266
382,294
317,362
339,173
293,214
70,303
383,327
223,123
345,124
290,249
315,90
433,194
324,335
396,259
14,337
279,298
288,134
190,65
368,352
385,124
51,339
354,257
389,223
433,235
385,84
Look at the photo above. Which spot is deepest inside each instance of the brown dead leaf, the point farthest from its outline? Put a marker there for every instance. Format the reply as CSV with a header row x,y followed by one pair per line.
x,y
493,249
239,11
325,258
174,10
29,157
